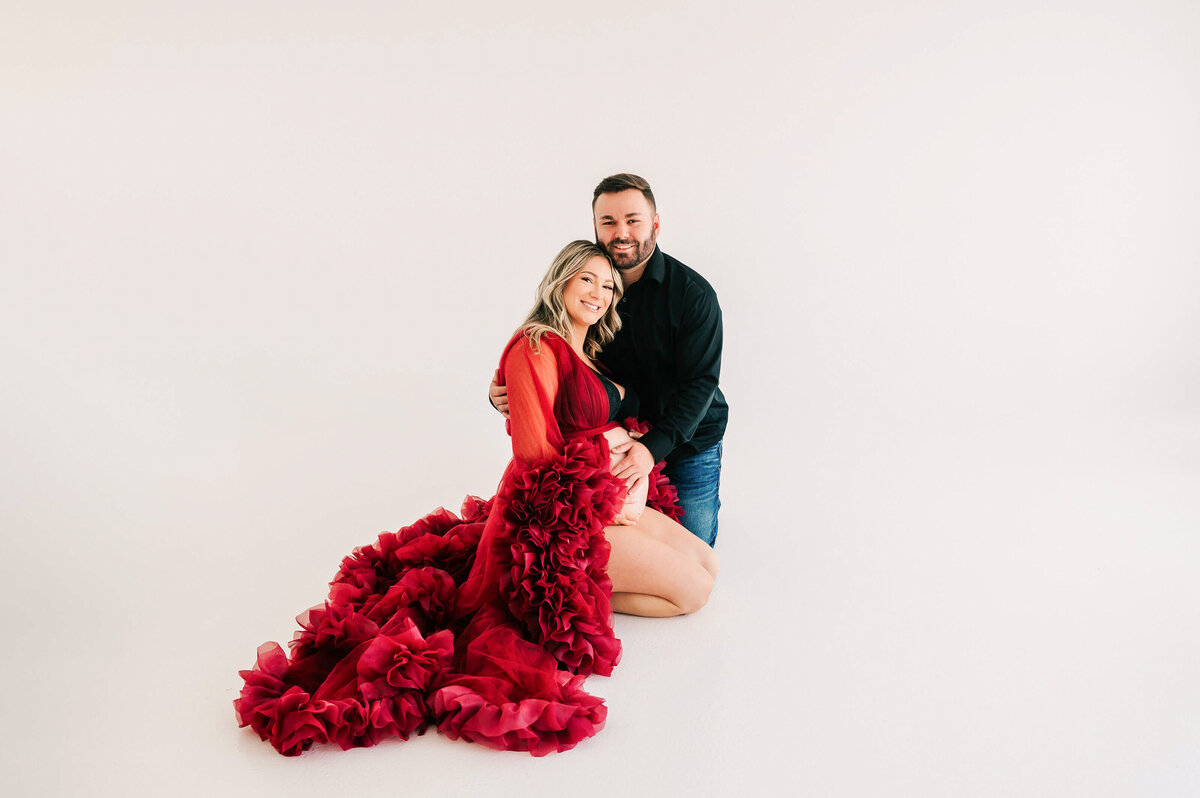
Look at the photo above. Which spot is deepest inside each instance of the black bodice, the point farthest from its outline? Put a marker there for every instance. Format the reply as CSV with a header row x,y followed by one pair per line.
x,y
618,408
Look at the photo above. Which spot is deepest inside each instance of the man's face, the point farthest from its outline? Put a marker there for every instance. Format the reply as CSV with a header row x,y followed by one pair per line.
x,y
626,226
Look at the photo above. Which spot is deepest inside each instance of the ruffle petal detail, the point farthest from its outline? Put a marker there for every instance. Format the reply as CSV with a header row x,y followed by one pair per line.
x,y
556,584
514,699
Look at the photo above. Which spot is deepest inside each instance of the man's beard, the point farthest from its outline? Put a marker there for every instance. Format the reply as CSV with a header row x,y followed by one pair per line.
x,y
641,251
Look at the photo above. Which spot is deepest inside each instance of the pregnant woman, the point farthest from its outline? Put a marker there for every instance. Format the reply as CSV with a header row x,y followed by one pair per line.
x,y
486,624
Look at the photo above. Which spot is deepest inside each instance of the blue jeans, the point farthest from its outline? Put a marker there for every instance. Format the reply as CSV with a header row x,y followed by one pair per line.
x,y
698,479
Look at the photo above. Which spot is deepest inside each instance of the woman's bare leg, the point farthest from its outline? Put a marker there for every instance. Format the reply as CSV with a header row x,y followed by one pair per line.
x,y
643,605
652,578
673,534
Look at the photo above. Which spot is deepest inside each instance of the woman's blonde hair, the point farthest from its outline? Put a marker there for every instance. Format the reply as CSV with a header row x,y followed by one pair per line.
x,y
549,312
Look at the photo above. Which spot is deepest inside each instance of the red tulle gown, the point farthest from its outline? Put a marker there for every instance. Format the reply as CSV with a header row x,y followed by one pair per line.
x,y
486,624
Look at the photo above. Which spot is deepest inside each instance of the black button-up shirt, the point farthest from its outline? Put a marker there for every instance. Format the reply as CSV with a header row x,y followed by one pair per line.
x,y
669,350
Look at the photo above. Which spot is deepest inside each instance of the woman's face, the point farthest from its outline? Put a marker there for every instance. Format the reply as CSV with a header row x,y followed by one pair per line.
x,y
589,292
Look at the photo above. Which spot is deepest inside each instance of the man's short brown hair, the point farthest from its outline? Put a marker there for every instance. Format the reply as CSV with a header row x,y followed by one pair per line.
x,y
623,182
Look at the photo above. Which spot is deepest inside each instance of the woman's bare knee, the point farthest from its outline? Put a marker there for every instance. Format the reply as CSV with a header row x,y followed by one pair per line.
x,y
696,593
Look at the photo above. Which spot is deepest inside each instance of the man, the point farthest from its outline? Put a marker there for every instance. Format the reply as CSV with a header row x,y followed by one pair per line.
x,y
668,349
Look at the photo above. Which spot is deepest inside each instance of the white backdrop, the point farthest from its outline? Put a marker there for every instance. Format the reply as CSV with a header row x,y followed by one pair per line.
x,y
259,260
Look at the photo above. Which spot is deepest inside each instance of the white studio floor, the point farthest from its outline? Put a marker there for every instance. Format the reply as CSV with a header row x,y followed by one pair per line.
x,y
258,260
937,611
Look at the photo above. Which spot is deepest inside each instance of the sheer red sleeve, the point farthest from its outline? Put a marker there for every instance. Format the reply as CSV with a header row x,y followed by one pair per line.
x,y
532,381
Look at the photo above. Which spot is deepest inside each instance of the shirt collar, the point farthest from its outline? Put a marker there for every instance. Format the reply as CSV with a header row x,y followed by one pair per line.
x,y
656,269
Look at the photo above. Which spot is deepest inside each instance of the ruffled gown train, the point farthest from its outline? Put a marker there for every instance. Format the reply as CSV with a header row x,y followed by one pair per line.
x,y
483,624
